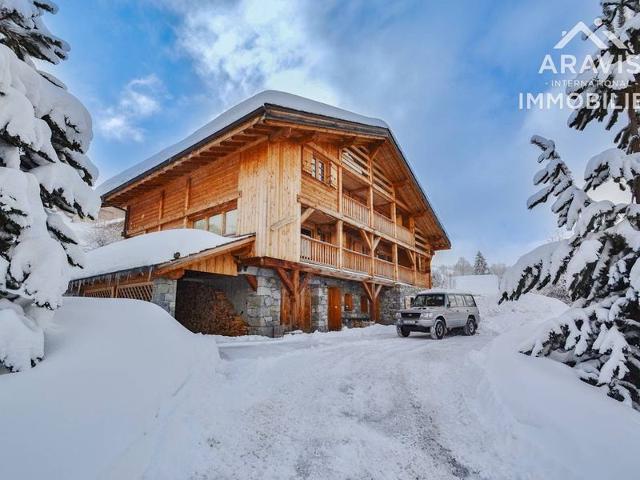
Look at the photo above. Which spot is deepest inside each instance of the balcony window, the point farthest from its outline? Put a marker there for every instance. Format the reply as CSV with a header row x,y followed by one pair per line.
x,y
216,224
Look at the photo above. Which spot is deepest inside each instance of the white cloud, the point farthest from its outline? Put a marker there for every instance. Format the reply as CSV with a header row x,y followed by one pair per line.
x,y
242,47
139,99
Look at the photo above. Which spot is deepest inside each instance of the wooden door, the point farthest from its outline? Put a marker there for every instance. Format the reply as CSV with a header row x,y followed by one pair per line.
x,y
335,309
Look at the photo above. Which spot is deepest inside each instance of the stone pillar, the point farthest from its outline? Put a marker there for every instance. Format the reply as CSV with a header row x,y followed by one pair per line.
x,y
319,307
263,305
164,294
393,299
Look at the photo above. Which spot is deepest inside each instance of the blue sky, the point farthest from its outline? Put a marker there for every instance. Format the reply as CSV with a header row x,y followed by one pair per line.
x,y
444,75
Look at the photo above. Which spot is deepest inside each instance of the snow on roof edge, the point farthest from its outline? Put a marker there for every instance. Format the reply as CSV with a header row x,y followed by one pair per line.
x,y
247,108
150,250
229,117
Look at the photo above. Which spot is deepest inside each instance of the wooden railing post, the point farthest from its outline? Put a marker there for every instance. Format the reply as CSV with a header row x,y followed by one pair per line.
x,y
340,239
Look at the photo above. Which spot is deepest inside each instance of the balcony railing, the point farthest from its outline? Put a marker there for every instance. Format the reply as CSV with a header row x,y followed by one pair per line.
x,y
404,235
316,251
383,224
384,268
356,262
405,274
355,210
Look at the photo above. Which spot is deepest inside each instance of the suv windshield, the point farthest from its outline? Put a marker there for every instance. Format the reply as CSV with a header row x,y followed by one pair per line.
x,y
434,300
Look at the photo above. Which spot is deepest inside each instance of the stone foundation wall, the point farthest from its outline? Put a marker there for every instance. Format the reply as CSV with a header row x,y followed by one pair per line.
x,y
164,294
393,299
320,302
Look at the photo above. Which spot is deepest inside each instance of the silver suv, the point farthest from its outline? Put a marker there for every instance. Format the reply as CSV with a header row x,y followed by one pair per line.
x,y
437,312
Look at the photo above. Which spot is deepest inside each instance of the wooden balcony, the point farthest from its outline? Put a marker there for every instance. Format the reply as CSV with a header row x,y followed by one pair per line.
x,y
384,269
405,275
355,210
404,235
318,252
383,224
356,262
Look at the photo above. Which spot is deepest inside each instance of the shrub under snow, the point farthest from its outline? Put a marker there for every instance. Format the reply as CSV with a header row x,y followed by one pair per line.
x,y
44,174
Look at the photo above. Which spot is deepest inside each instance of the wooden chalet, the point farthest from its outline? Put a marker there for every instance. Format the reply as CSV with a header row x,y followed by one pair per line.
x,y
336,227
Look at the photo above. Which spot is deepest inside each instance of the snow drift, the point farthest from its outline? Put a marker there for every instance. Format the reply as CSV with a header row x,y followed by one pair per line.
x,y
113,367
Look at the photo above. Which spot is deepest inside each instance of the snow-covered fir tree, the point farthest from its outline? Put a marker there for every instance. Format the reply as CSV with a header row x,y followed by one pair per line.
x,y
599,262
480,266
44,174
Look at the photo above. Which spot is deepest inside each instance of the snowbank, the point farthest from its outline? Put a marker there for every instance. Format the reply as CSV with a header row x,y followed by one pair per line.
x,y
111,368
567,426
478,284
149,249
230,116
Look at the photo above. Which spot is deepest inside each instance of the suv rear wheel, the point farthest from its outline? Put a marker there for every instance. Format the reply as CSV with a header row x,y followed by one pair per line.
x,y
438,330
470,327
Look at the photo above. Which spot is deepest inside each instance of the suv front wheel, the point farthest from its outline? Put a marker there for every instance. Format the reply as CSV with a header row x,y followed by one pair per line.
x,y
438,330
403,332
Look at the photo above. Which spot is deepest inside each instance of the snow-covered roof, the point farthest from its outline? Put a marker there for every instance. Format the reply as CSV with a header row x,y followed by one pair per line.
x,y
149,250
241,110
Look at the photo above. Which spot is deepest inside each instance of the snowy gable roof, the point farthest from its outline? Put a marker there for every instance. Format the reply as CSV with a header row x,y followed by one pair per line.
x,y
148,250
227,118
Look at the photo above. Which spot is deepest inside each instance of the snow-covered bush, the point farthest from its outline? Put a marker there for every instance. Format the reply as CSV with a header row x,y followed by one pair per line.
x,y
600,262
44,174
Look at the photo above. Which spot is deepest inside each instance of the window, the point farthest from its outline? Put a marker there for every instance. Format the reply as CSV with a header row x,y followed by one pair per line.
x,y
469,300
453,300
216,224
221,224
231,225
348,302
306,232
432,300
320,168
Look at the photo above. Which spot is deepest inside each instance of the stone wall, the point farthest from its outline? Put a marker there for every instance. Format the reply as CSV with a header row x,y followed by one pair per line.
x,y
320,302
393,299
164,294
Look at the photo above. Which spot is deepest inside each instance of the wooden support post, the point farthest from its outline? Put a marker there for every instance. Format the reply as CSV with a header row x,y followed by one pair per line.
x,y
340,195
340,241
252,280
306,214
187,202
370,204
394,253
161,210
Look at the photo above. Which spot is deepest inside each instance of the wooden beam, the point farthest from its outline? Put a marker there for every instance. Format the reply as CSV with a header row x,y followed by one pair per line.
x,y
305,282
375,244
307,138
306,214
282,273
252,280
281,134
364,235
367,291
375,149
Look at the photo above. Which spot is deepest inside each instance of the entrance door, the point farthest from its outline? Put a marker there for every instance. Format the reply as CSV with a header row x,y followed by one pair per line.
x,y
335,309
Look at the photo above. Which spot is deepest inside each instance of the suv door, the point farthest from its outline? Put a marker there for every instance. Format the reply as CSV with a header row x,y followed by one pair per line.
x,y
454,315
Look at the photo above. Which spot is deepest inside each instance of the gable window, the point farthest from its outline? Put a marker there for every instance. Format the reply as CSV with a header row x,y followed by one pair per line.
x,y
320,168
225,223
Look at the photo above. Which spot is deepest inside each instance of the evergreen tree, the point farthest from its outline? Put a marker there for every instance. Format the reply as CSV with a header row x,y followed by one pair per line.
x,y
599,263
480,267
44,175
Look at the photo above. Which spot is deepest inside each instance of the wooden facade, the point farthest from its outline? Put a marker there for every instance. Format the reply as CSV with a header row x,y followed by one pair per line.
x,y
322,196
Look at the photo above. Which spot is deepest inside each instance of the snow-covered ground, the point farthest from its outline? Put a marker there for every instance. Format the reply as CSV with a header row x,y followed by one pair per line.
x,y
126,393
